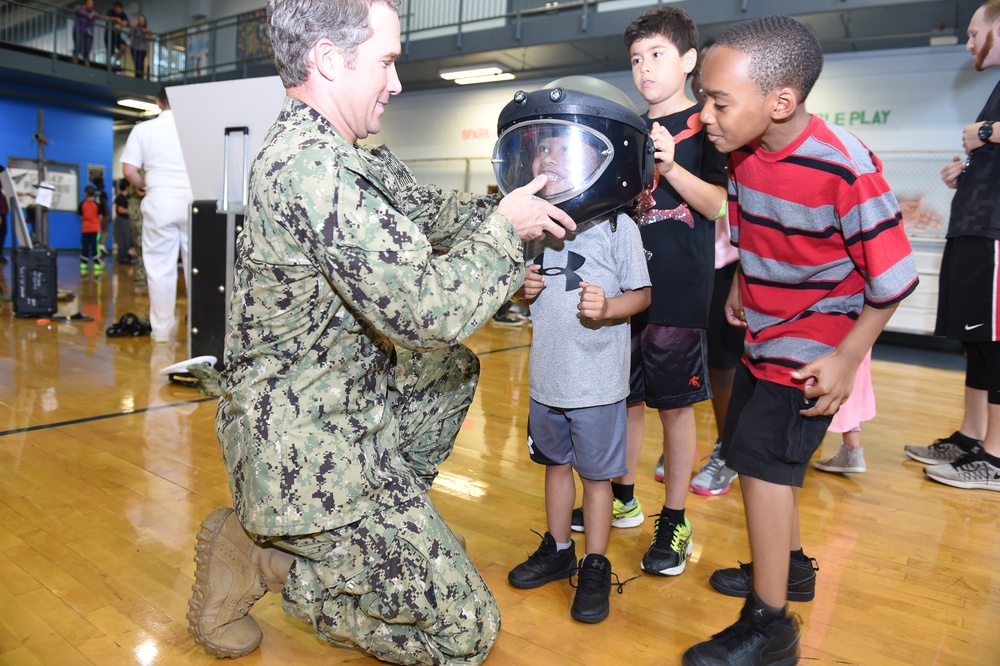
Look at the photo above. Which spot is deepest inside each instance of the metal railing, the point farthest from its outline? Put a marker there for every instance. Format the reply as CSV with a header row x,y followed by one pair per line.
x,y
51,31
232,46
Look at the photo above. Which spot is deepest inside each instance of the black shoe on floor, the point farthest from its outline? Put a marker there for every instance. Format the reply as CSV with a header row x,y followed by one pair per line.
x,y
751,641
544,565
738,582
130,325
576,524
593,587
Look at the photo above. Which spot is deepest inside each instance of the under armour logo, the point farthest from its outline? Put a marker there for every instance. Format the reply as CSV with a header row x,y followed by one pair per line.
x,y
573,262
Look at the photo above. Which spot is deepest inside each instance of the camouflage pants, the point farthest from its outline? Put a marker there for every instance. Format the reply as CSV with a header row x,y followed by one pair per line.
x,y
398,584
139,277
433,391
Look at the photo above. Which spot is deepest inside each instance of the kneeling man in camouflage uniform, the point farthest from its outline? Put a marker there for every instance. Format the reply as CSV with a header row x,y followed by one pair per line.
x,y
344,384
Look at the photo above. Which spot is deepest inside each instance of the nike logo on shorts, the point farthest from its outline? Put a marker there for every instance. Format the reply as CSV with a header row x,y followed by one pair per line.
x,y
970,327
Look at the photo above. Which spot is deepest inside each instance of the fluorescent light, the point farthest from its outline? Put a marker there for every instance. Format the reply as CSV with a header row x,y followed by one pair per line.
x,y
145,107
503,76
487,69
944,40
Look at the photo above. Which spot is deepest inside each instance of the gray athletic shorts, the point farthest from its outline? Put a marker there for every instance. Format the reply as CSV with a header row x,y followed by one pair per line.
x,y
592,439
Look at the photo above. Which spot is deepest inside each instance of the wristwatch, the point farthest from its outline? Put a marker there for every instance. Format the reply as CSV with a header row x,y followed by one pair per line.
x,y
986,131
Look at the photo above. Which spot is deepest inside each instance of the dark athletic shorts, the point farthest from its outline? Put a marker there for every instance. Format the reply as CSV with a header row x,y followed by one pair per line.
x,y
982,368
765,436
968,290
725,341
669,366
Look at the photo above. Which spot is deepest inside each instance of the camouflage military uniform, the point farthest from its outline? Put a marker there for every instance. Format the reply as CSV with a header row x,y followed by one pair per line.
x,y
346,267
135,219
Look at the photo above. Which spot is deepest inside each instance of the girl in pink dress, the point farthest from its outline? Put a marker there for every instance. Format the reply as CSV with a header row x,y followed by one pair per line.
x,y
859,407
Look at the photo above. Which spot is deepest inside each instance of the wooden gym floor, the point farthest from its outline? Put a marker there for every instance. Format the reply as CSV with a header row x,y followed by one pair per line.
x,y
107,470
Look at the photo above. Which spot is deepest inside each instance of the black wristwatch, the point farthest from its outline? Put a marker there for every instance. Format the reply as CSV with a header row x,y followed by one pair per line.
x,y
986,131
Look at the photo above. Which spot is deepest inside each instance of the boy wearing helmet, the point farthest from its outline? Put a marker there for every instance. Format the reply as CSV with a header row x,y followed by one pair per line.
x,y
582,288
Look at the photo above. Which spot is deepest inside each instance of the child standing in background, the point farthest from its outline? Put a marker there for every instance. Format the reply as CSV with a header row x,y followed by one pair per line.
x,y
122,225
854,411
90,227
669,340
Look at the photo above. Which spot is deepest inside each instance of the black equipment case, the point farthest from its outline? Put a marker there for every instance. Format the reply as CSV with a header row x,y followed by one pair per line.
x,y
34,273
35,284
212,237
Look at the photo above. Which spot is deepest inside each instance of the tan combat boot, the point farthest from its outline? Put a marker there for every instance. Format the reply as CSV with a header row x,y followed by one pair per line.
x,y
228,582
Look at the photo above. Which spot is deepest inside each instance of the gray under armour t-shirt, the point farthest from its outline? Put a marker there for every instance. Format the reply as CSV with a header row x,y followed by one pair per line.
x,y
578,362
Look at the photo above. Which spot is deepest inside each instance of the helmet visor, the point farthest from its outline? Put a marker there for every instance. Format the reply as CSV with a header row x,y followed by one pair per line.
x,y
572,156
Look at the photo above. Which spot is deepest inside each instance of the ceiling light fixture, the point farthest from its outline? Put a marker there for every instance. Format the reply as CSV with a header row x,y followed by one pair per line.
x,y
502,76
944,40
145,107
471,71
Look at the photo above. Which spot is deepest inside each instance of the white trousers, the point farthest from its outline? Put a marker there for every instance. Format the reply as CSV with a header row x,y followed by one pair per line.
x,y
164,235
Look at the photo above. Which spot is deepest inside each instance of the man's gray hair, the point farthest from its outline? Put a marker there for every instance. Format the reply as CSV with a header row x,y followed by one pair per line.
x,y
296,25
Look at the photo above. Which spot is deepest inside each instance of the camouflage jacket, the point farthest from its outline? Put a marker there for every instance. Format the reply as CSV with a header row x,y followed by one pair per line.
x,y
342,258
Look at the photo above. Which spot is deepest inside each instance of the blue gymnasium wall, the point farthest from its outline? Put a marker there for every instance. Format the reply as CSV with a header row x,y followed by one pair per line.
x,y
76,133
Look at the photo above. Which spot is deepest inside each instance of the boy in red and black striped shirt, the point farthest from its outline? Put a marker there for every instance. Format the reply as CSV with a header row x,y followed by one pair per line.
x,y
824,262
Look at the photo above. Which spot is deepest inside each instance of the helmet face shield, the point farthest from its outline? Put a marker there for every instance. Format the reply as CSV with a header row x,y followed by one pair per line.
x,y
586,136
572,156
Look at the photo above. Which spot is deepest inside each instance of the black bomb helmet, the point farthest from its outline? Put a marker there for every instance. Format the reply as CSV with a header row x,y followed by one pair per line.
x,y
586,135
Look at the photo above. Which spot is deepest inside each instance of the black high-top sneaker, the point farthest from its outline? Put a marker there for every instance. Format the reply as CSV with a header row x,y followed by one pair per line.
x,y
737,582
544,565
756,639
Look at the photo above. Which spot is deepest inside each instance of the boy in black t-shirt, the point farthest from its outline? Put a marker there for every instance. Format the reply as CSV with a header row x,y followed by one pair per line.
x,y
122,227
669,368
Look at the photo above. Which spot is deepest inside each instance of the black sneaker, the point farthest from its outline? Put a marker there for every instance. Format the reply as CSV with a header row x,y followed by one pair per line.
x,y
576,524
739,582
544,565
593,587
751,641
667,555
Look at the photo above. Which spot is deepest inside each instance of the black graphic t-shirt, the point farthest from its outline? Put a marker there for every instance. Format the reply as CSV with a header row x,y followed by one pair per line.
x,y
975,208
680,242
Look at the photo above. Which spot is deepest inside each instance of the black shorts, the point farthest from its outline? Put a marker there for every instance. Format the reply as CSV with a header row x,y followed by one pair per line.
x,y
982,368
669,366
968,290
765,436
725,341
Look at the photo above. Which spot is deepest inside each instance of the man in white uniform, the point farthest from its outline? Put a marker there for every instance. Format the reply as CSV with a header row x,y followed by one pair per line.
x,y
155,148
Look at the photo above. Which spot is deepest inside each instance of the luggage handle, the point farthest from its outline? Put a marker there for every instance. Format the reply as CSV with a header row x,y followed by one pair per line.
x,y
8,191
245,131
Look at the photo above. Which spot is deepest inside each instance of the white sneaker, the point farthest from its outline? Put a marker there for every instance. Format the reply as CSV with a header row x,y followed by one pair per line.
x,y
971,471
714,478
843,461
944,450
